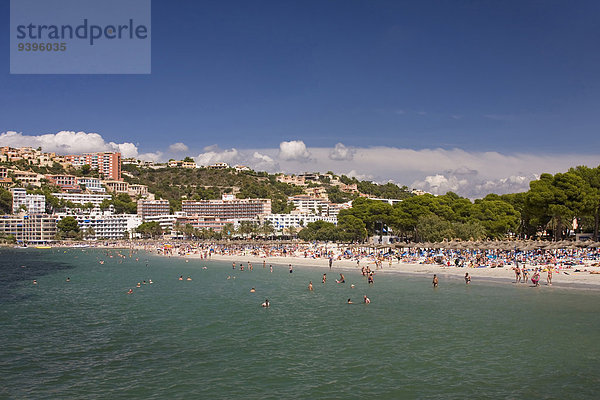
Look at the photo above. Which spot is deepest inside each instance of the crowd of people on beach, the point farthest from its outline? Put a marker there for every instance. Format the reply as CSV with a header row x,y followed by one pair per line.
x,y
558,259
380,256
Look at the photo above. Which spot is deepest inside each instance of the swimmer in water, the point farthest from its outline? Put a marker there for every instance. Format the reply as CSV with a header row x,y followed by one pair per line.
x,y
435,281
233,265
349,301
68,279
352,286
467,278
130,291
138,285
324,278
252,290
310,287
291,270
189,278
342,279
181,277
366,300
34,282
271,267
266,303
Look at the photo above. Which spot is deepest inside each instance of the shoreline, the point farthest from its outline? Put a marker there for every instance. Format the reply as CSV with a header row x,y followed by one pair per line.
x,y
501,275
565,278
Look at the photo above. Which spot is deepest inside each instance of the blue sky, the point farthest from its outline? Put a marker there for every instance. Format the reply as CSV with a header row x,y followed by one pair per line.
x,y
479,76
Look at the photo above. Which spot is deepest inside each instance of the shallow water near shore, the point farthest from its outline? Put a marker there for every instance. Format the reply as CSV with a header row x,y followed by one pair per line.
x,y
210,338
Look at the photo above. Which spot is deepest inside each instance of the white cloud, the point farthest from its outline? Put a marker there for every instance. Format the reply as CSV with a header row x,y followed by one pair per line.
x,y
471,186
262,162
467,173
341,152
213,155
293,150
178,147
127,150
360,177
154,157
67,142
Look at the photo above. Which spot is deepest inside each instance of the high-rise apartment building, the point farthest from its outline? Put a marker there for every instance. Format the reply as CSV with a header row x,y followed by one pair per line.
x,y
148,208
30,203
38,228
108,164
227,208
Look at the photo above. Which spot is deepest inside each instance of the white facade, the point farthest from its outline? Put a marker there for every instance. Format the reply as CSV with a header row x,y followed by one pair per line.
x,y
307,204
83,198
33,203
92,184
106,225
283,221
166,221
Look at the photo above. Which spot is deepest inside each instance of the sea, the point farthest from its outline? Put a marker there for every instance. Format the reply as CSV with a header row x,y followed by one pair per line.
x,y
209,337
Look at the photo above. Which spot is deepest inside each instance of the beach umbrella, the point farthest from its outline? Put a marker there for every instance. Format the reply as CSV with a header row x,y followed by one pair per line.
x,y
468,244
453,244
508,246
482,246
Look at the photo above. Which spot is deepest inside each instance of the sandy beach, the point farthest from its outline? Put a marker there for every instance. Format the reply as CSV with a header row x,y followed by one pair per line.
x,y
582,276
567,278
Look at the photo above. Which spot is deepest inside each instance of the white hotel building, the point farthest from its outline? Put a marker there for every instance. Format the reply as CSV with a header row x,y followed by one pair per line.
x,y
106,225
284,221
308,204
83,198
33,203
92,184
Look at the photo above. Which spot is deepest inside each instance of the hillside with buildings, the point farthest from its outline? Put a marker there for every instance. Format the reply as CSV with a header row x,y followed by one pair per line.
x,y
105,197
46,197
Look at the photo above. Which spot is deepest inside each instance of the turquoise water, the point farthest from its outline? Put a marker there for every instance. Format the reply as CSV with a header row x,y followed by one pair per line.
x,y
209,337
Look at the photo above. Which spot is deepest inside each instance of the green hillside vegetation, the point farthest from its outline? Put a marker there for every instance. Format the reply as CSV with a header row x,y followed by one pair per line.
x,y
175,184
549,207
5,201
